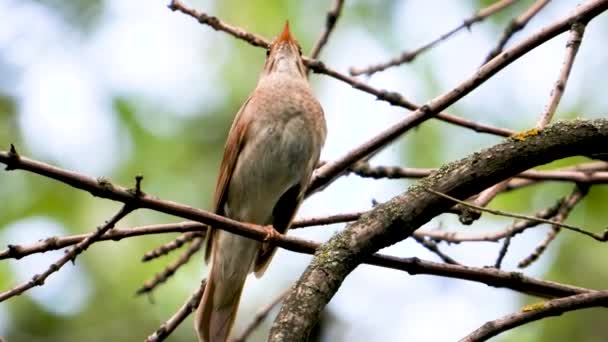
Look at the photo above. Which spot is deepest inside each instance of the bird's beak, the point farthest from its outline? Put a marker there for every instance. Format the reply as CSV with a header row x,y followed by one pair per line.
x,y
285,36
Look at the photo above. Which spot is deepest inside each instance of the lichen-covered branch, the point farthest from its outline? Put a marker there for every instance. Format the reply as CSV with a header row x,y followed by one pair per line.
x,y
397,219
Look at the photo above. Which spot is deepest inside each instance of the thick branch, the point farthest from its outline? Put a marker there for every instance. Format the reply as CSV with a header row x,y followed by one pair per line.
x,y
396,219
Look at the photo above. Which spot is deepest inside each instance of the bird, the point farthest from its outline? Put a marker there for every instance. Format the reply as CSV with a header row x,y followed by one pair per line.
x,y
272,148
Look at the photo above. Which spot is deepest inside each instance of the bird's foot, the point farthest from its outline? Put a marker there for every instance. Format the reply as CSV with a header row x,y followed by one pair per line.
x,y
271,233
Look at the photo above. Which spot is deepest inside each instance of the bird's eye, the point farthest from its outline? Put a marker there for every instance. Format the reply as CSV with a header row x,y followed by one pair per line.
x,y
267,52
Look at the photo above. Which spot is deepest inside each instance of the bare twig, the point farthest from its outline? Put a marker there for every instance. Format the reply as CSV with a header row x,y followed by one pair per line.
x,y
540,249
71,255
432,247
327,220
574,42
397,99
170,246
304,223
330,22
393,98
408,56
503,251
538,311
602,238
566,207
189,228
189,306
586,173
513,281
486,196
489,276
516,25
330,171
54,243
170,270
259,317
576,36
218,25
512,230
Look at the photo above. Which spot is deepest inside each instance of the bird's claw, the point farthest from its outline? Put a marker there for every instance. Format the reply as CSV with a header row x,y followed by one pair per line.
x,y
271,233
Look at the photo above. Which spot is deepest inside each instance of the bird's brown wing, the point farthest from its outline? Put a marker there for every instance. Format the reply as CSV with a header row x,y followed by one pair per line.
x,y
234,145
282,215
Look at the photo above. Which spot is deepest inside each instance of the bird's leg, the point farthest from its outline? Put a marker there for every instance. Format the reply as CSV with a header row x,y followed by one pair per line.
x,y
271,233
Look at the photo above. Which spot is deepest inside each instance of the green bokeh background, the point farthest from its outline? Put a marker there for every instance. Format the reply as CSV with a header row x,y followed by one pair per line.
x,y
182,166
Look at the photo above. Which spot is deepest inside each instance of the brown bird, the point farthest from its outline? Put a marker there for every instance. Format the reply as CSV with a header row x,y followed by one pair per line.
x,y
272,148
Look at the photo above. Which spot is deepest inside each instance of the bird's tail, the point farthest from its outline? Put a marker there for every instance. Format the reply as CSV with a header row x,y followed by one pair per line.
x,y
216,313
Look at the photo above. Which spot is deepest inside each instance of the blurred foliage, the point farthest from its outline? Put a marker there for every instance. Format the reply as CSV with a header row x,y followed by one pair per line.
x,y
82,15
182,166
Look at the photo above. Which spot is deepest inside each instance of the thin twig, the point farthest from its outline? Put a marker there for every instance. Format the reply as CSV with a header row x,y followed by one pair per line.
x,y
391,97
574,42
327,220
409,56
397,99
515,228
54,243
170,270
330,22
259,317
189,306
170,246
39,279
566,207
585,173
516,25
486,196
603,237
432,247
538,311
303,223
503,251
327,173
218,25
540,249
187,227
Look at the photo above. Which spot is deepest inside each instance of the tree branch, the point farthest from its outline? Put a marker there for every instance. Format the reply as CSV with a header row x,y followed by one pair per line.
x,y
535,312
396,219
170,269
514,281
39,279
408,56
189,306
516,25
328,172
330,22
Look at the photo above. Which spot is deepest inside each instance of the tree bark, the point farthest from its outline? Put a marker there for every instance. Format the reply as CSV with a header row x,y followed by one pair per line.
x,y
398,218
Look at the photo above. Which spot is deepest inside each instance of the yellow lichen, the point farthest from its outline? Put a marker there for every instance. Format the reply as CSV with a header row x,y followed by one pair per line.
x,y
523,135
532,307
